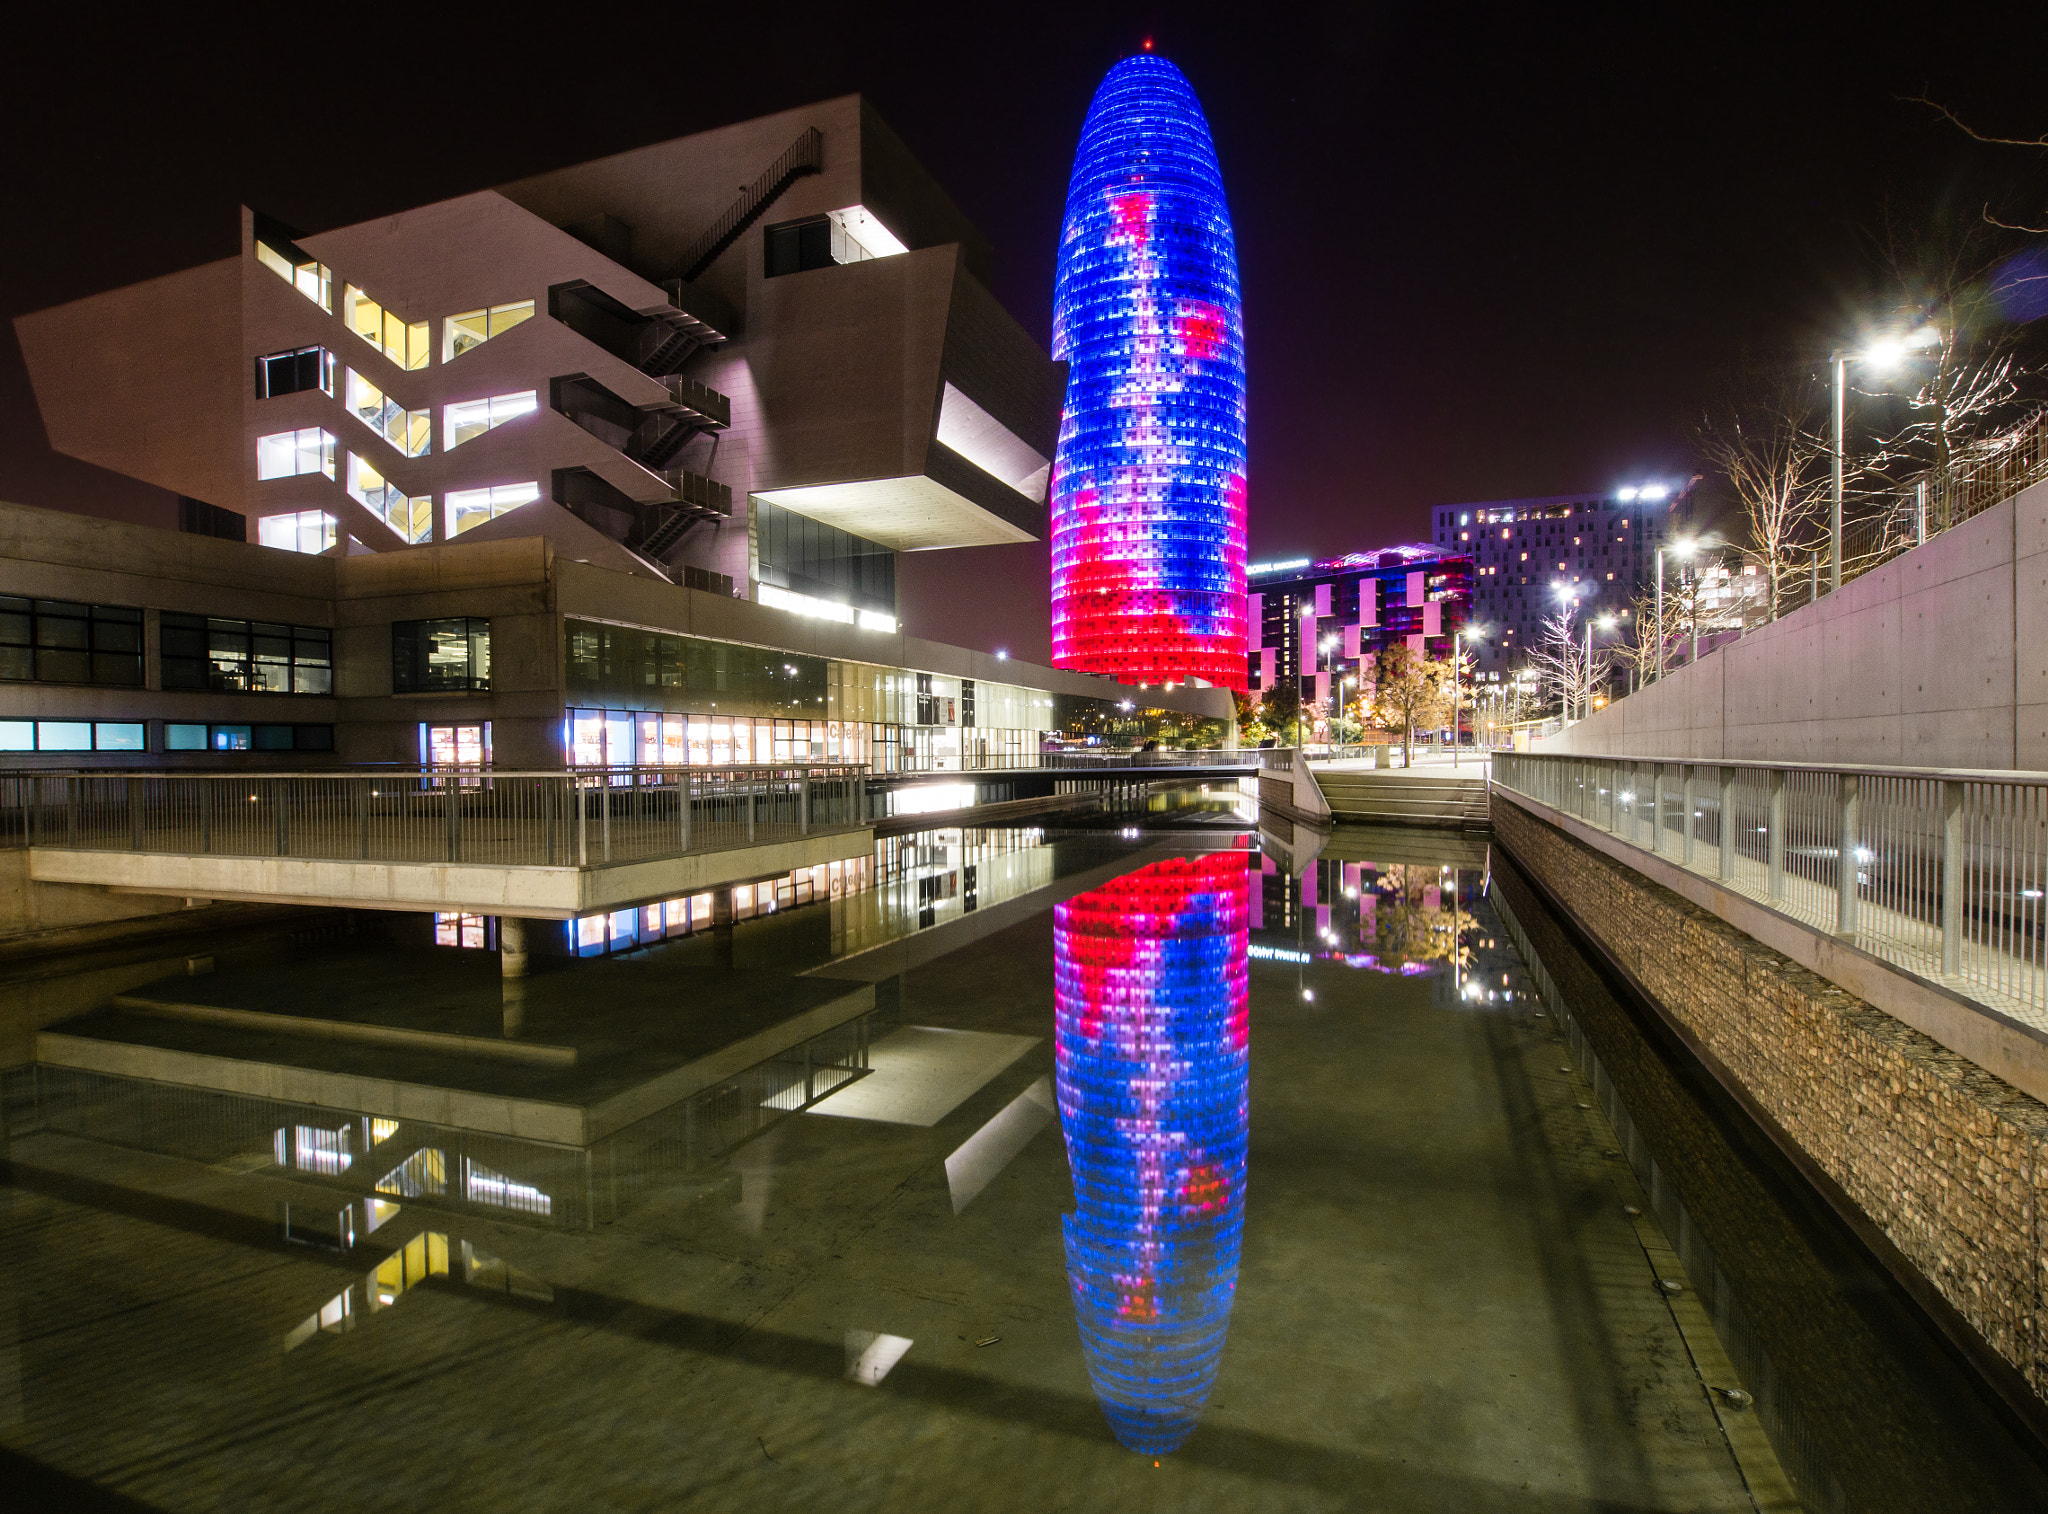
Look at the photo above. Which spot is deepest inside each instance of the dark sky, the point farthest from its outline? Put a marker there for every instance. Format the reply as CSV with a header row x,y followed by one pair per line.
x,y
1485,252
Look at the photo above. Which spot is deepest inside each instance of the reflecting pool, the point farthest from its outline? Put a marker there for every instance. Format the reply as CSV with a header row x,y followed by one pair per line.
x,y
1151,1162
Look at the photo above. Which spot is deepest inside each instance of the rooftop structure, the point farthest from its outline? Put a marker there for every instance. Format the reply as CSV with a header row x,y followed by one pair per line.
x,y
770,389
1148,510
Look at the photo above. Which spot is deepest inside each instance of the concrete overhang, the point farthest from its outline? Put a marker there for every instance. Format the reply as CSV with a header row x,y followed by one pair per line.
x,y
918,512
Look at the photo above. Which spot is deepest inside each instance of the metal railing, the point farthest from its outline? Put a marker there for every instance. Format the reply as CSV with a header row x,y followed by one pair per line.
x,y
583,817
805,155
1014,762
1943,872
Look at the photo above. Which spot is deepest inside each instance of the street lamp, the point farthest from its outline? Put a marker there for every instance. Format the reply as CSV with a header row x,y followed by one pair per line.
x,y
1677,549
1882,356
1606,624
1456,635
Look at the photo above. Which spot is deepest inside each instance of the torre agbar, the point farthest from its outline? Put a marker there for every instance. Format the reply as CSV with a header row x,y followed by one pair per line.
x,y
1148,499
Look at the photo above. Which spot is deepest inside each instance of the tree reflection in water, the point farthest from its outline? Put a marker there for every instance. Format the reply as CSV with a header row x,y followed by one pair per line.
x,y
1153,1068
1412,917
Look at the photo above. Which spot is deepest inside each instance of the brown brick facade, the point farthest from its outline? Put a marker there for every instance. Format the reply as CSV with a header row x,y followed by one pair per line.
x,y
1948,1161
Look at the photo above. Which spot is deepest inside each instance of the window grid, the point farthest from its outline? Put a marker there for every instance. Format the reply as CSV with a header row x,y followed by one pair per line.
x,y
245,657
54,641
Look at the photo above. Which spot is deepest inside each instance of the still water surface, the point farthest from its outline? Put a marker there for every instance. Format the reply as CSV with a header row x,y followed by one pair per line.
x,y
1168,1173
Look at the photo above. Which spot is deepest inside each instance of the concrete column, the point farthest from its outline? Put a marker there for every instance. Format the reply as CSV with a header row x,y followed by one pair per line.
x,y
515,1007
1846,882
1952,836
721,925
511,946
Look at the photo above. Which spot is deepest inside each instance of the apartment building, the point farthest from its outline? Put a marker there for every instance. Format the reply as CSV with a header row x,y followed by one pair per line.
x,y
756,361
1530,555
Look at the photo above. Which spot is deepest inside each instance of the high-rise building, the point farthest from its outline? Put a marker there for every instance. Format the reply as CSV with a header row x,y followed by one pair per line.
x,y
1327,621
1530,555
762,359
1148,509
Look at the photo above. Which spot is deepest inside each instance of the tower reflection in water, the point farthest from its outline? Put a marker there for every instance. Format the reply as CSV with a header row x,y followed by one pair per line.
x,y
1154,1061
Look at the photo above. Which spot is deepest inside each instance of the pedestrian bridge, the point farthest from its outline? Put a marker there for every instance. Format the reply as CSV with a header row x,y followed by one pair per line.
x,y
534,845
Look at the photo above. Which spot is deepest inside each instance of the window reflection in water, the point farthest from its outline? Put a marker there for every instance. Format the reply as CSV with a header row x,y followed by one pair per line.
x,y
1153,1067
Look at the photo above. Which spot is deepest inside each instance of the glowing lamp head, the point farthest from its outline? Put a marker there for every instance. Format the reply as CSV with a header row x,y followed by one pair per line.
x,y
1626,495
1888,354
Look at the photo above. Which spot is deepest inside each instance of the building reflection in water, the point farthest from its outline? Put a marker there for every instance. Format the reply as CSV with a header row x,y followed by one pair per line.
x,y
1153,1067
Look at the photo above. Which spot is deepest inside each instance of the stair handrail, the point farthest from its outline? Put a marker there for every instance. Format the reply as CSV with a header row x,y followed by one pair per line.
x,y
806,155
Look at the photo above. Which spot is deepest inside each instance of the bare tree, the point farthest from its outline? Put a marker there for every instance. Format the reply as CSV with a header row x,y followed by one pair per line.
x,y
1966,374
1766,441
1638,654
1567,673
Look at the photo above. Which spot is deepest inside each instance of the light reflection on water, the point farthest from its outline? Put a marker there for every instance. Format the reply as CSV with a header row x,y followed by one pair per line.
x,y
1154,1060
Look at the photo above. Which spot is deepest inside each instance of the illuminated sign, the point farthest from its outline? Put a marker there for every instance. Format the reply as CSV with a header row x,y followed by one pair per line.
x,y
1148,499
1276,954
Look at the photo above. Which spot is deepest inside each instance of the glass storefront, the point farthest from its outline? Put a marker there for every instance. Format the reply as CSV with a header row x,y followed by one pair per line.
x,y
622,738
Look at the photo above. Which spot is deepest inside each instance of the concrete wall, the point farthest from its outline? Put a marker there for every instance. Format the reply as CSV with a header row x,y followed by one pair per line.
x,y
147,380
1936,659
1946,1160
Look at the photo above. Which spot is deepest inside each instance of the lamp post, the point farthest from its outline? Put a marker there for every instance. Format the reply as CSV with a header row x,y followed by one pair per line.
x,y
1456,636
1882,356
1684,548
1606,624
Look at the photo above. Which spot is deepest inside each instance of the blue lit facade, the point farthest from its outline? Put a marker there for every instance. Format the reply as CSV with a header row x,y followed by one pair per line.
x,y
1148,498
1153,1059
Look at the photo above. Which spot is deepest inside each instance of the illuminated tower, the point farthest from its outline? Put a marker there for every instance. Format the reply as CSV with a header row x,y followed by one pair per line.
x,y
1148,499
1153,1066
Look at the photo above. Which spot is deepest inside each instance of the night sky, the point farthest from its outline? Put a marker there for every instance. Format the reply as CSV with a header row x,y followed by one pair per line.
x,y
1484,254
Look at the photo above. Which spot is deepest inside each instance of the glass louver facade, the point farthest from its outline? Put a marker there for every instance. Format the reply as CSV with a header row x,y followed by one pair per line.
x,y
1148,499
1153,1069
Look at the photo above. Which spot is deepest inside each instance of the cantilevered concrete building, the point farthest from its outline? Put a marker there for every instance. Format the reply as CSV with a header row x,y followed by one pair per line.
x,y
768,390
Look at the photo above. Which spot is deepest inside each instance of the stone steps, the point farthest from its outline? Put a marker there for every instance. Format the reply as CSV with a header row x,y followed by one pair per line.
x,y
1406,799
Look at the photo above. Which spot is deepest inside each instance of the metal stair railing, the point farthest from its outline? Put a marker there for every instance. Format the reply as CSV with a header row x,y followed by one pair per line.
x,y
806,155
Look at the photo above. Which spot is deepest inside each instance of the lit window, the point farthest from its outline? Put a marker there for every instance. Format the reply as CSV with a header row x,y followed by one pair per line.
x,y
472,418
295,372
286,454
410,431
412,518
306,531
311,279
404,343
472,507
475,327
454,746
438,656
466,931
